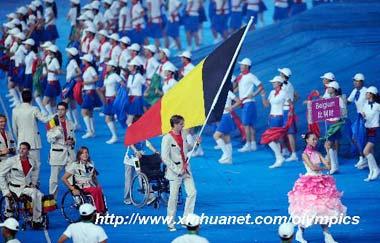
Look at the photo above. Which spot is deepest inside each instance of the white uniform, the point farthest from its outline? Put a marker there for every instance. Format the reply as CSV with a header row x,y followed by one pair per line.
x,y
151,66
52,67
71,70
135,84
19,56
12,178
190,238
230,97
281,3
372,114
94,47
7,142
114,53
289,90
155,11
194,8
168,84
110,84
124,58
125,14
85,232
187,69
173,14
277,102
221,7
360,101
246,87
29,60
60,153
104,52
98,20
237,6
88,77
137,19
72,16
49,16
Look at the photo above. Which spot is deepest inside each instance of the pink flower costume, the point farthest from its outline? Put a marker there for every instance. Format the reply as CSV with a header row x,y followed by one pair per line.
x,y
314,195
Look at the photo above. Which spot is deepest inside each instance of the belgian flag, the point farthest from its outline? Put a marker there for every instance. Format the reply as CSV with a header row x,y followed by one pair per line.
x,y
193,96
52,123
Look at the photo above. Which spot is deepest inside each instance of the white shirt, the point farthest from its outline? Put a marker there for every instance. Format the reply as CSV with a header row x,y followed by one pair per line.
x,y
253,5
98,20
14,47
193,10
136,16
277,102
71,70
72,16
151,66
49,14
246,87
14,241
108,16
8,41
289,90
85,232
124,58
52,65
160,69
167,85
230,97
115,53
187,69
326,95
115,6
29,59
371,114
88,76
155,10
94,47
237,5
362,98
172,10
281,3
110,84
104,51
190,238
46,60
125,13
19,56
135,84
219,5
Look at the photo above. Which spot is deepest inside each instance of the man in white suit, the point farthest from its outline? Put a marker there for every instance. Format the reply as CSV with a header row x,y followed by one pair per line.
x,y
62,140
174,155
18,174
7,144
24,121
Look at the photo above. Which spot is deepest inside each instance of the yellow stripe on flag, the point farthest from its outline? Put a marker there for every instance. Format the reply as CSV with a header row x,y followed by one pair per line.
x,y
185,99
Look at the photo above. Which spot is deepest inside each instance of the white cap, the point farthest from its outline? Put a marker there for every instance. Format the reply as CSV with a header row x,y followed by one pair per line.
x,y
169,67
114,36
72,50
46,44
151,48
90,29
82,17
134,62
359,77
333,84
329,76
112,63
277,79
75,1
134,47
10,223
37,3
186,54
32,7
11,16
32,18
372,90
22,10
53,48
87,7
9,25
125,40
95,5
86,209
166,52
103,33
16,21
30,42
89,15
192,220
286,71
246,61
286,230
108,2
14,31
20,36
87,57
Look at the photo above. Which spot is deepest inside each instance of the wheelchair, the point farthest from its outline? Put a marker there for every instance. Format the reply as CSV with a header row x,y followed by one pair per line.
x,y
21,209
149,182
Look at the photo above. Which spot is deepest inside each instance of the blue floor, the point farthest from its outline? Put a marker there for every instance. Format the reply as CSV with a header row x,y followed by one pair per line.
x,y
343,38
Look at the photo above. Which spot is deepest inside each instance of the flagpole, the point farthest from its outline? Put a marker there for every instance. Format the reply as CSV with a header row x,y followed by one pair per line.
x,y
221,86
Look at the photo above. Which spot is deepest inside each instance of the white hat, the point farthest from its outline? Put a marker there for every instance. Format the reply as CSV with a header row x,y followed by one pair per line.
x,y
359,77
37,3
32,7
186,54
151,48
86,209
72,50
32,18
10,223
166,52
81,17
22,10
169,67
87,57
134,62
108,2
87,7
333,84
90,29
103,33
14,31
30,42
277,79
286,230
134,47
9,25
20,36
114,36
112,63
192,220
286,71
125,40
329,76
52,48
46,44
16,21
89,15
95,5
11,16
75,1
89,23
372,90
246,61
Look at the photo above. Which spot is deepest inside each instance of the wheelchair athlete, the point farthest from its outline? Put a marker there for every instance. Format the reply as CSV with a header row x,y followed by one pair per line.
x,y
19,175
84,177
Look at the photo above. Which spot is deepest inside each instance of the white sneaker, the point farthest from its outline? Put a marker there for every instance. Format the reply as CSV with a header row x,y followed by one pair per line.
x,y
226,160
112,140
293,157
253,146
299,237
329,238
127,202
171,227
278,163
245,148
88,135
375,174
362,163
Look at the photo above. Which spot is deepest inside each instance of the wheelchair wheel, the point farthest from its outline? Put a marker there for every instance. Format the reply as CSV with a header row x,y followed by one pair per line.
x,y
70,207
7,212
139,190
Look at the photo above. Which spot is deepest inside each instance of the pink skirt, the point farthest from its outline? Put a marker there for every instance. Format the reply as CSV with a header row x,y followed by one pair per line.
x,y
315,196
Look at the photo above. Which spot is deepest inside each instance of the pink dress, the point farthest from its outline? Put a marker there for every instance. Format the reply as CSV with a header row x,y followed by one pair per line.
x,y
314,196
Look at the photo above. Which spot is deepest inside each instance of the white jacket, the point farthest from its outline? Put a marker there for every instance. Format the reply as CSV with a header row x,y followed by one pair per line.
x,y
3,144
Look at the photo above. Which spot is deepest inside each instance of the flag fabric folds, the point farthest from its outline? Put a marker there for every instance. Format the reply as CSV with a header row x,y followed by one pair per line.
x,y
192,97
52,123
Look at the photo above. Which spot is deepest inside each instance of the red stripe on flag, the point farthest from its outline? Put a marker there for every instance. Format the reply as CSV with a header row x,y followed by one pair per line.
x,y
147,126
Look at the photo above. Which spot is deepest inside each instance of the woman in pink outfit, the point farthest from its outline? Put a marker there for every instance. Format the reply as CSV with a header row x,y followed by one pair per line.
x,y
315,198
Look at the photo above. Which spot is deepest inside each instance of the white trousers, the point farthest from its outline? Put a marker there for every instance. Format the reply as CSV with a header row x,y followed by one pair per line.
x,y
55,170
35,155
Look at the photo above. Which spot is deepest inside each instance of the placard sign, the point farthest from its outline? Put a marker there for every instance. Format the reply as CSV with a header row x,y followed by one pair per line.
x,y
324,109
